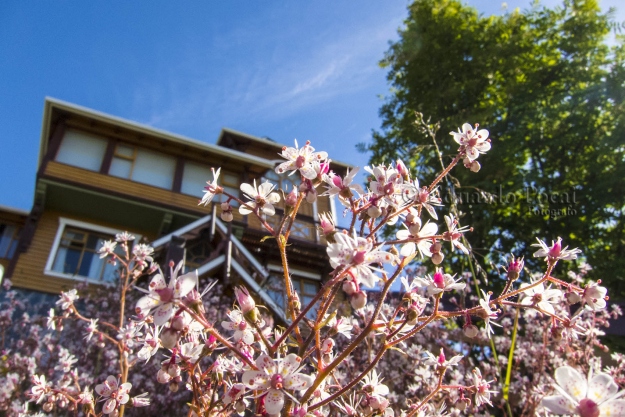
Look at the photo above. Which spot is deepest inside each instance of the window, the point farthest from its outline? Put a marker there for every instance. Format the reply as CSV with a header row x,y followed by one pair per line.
x,y
305,284
75,252
195,177
82,150
8,240
231,183
144,166
301,229
282,182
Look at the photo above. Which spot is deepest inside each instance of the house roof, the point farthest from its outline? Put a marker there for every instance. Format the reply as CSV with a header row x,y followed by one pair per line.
x,y
53,105
225,132
13,210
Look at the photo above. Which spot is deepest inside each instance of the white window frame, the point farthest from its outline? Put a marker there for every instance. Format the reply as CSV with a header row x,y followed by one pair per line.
x,y
65,222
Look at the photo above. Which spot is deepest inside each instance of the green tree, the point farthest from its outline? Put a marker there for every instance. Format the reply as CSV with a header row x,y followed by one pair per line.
x,y
551,92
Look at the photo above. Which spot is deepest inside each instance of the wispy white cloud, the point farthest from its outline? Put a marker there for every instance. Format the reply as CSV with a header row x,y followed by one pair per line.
x,y
273,84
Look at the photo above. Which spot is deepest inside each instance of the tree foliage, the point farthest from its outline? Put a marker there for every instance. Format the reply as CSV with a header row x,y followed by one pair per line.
x,y
550,90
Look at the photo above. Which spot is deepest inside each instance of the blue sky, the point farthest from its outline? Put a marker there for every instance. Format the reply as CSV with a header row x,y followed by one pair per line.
x,y
285,70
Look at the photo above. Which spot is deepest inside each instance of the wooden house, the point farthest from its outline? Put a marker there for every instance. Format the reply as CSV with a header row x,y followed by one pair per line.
x,y
99,175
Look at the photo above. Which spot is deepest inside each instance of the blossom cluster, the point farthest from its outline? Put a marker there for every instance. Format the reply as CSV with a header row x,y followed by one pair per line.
x,y
339,354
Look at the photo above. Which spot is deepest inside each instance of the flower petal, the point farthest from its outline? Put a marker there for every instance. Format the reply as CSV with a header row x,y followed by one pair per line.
x,y
186,283
601,387
145,304
265,189
256,379
572,382
109,406
157,283
248,190
298,381
266,364
615,408
290,364
558,404
274,401
163,314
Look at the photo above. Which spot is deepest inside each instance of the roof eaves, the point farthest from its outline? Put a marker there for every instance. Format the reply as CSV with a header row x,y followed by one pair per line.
x,y
264,141
52,103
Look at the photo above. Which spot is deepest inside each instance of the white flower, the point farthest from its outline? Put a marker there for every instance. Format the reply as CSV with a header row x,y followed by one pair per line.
x,y
301,159
387,182
67,299
555,252
275,376
440,282
189,352
440,360
490,314
472,142
107,248
342,187
359,254
163,297
65,361
39,389
143,253
372,385
124,237
212,188
596,397
92,327
541,297
340,326
413,194
594,296
51,321
482,392
455,233
236,392
151,343
242,330
113,394
261,197
419,238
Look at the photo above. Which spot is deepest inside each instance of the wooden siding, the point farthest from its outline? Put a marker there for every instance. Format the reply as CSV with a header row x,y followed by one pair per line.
x,y
158,196
29,270
110,184
188,152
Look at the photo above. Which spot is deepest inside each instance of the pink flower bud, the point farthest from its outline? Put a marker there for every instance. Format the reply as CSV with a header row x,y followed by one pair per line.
x,y
246,302
572,297
403,171
374,212
169,338
291,198
439,278
350,287
470,331
437,258
226,216
514,268
554,251
327,226
177,323
358,300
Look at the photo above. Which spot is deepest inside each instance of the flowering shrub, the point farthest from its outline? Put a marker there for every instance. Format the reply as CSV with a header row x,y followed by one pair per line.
x,y
350,351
